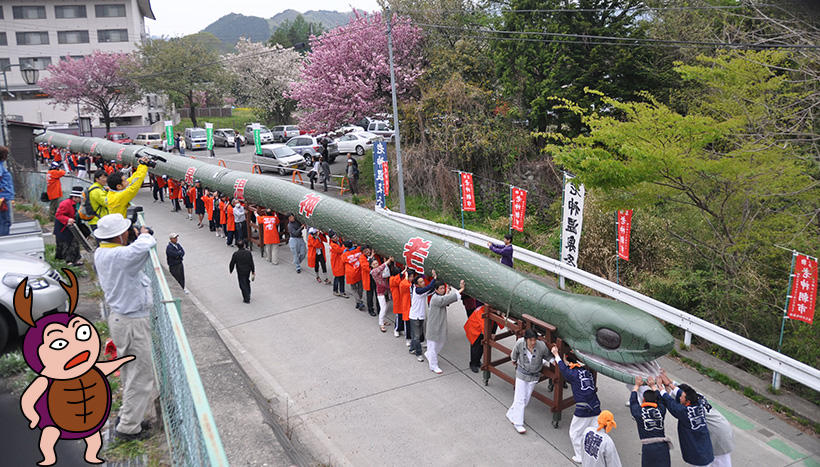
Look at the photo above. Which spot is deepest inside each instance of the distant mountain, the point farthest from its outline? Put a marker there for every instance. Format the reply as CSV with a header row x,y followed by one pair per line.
x,y
328,19
229,28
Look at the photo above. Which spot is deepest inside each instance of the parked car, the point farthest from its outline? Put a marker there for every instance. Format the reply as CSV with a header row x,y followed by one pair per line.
x,y
118,137
357,142
25,237
43,280
224,137
265,135
309,146
382,129
279,158
365,122
283,133
152,140
196,138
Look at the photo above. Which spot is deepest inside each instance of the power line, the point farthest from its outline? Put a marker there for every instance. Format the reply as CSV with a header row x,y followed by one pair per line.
x,y
620,40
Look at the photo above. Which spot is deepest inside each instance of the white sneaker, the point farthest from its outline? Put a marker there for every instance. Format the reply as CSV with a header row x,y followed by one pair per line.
x,y
420,358
626,404
395,333
576,459
437,371
186,291
407,343
520,429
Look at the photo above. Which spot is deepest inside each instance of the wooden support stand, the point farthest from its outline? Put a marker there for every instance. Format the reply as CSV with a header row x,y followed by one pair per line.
x,y
516,327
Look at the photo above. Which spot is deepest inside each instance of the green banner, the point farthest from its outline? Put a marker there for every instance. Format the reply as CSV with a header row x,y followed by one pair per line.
x,y
257,141
169,133
209,133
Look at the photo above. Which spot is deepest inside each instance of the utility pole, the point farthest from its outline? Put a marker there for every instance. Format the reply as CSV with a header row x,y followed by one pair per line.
x,y
395,109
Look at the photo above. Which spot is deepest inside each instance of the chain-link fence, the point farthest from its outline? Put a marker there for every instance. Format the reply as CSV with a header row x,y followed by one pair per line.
x,y
189,425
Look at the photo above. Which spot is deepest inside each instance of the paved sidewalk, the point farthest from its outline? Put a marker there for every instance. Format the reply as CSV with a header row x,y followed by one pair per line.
x,y
354,396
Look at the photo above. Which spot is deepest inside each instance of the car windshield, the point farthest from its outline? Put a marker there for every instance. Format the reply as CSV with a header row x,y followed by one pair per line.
x,y
153,136
117,136
228,132
292,128
264,129
282,152
197,133
366,135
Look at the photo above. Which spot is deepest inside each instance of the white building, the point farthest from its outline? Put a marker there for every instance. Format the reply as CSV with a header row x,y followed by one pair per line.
x,y
41,32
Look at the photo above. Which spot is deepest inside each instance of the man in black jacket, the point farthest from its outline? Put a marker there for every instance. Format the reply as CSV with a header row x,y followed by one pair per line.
x,y
243,260
174,254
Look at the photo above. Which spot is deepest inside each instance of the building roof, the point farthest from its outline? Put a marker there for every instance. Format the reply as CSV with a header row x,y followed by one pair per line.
x,y
145,8
24,124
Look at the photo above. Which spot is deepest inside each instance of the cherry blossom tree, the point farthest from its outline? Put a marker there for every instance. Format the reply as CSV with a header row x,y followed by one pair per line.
x,y
97,81
346,75
262,76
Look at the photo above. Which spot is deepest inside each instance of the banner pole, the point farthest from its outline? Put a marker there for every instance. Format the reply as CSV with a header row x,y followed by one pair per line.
x,y
617,252
461,197
561,283
776,375
511,203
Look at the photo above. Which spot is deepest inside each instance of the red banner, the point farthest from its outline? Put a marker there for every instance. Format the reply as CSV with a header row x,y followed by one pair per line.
x,y
804,289
386,179
624,229
519,208
467,192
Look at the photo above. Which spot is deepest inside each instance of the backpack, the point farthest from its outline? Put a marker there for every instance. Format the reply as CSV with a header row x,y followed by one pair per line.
x,y
86,211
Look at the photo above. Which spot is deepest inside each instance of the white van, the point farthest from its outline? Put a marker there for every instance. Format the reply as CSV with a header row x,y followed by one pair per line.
x,y
152,140
196,138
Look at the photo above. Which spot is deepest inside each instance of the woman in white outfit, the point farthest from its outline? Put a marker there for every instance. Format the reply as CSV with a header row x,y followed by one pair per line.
x,y
528,356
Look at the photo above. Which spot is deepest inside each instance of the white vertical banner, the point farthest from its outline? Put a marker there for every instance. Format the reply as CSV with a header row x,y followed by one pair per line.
x,y
573,219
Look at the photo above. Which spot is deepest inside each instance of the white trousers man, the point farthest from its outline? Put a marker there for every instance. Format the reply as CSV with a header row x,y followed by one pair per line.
x,y
132,336
272,253
433,348
523,392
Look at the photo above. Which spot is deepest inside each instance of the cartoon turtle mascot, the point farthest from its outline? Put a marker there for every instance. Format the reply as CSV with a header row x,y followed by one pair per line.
x,y
71,398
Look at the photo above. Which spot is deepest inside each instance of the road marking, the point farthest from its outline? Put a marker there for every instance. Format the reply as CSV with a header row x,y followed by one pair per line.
x,y
734,418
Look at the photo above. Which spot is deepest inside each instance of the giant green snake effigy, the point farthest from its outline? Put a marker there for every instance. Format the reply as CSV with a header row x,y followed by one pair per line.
x,y
611,337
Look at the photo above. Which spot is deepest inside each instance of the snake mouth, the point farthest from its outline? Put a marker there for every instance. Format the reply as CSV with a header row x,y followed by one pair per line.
x,y
78,359
625,372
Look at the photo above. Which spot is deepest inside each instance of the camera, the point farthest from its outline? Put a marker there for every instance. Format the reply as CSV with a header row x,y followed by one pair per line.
x,y
152,158
133,214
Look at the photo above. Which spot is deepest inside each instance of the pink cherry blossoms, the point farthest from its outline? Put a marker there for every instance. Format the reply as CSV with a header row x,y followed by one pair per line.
x,y
346,75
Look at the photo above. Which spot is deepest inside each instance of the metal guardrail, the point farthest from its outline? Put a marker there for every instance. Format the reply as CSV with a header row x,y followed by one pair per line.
x,y
740,345
189,424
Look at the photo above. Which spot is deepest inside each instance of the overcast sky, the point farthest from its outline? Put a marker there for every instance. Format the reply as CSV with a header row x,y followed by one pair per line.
x,y
181,17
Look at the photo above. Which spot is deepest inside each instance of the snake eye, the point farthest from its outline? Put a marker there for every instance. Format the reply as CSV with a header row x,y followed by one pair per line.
x,y
608,339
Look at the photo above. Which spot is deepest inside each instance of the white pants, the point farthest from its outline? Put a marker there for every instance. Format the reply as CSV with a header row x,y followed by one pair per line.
x,y
132,336
382,308
576,432
723,460
523,391
272,253
82,174
433,348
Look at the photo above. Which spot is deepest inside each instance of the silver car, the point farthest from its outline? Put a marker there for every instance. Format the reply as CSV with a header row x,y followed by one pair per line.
x,y
224,137
308,147
279,158
196,138
265,135
44,283
282,133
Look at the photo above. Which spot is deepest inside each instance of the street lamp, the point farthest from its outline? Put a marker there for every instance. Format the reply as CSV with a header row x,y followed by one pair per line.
x,y
30,76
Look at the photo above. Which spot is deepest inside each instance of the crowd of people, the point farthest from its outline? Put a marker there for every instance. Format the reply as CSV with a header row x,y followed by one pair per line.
x,y
381,286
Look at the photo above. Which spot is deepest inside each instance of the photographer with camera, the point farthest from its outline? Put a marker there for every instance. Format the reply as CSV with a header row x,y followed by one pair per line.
x,y
120,261
123,191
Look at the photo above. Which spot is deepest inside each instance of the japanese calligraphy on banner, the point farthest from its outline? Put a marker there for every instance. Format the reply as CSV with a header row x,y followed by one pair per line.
x,y
379,158
169,133
386,179
624,229
209,135
573,218
467,191
518,198
257,138
239,188
804,289
189,175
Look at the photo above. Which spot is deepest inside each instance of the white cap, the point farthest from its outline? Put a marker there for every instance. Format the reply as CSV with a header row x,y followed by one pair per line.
x,y
111,225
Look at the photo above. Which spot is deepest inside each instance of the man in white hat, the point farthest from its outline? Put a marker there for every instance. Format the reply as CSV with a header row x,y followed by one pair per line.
x,y
127,289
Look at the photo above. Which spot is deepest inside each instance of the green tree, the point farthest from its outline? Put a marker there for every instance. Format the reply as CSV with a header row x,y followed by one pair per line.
x,y
531,72
295,33
726,188
184,68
